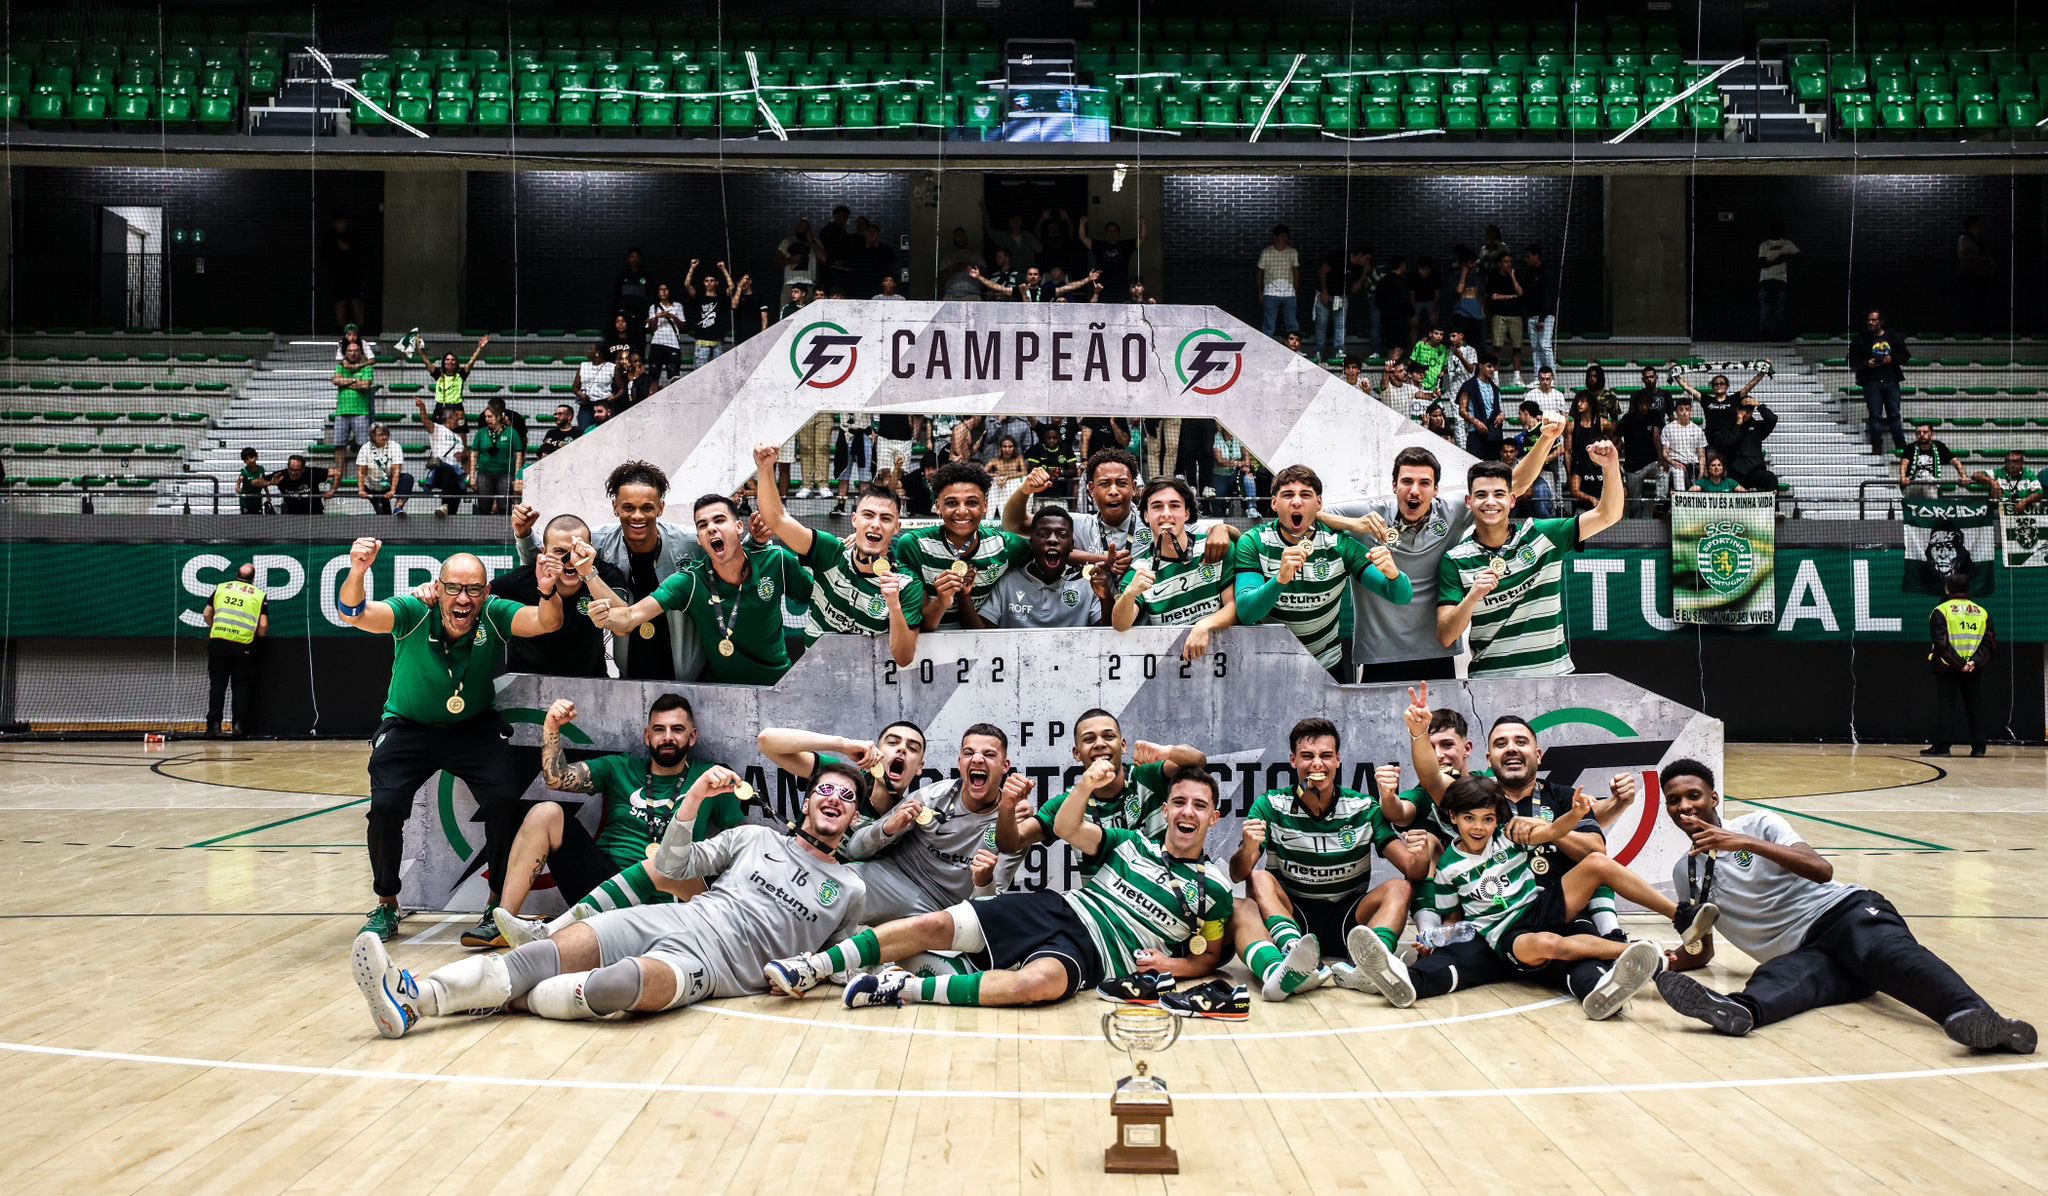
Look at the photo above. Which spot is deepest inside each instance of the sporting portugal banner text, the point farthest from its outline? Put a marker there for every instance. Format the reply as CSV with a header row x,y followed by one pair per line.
x,y
1946,536
1723,550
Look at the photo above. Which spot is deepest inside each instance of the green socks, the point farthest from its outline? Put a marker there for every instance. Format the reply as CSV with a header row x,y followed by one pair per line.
x,y
1262,958
861,951
1284,931
1390,938
944,990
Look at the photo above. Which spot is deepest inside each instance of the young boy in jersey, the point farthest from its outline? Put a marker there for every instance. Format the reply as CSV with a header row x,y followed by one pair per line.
x,y
1505,583
1134,796
771,894
733,595
1292,569
961,558
1144,905
857,590
1487,877
1816,941
1168,585
1318,839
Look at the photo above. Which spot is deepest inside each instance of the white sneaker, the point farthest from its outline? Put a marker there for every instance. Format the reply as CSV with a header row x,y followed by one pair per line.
x,y
1519,382
792,977
1299,972
1633,969
519,931
391,991
1379,967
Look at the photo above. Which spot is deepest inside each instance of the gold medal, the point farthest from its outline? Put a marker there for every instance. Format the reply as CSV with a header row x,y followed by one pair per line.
x,y
1198,945
455,703
646,631
744,792
1540,866
725,647
926,816
882,568
1498,566
880,770
1088,572
959,569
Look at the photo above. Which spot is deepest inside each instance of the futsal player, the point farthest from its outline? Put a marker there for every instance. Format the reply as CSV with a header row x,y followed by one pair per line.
x,y
1816,941
961,558
858,590
936,848
1132,798
1317,839
1143,905
893,760
770,894
1167,583
1294,570
440,713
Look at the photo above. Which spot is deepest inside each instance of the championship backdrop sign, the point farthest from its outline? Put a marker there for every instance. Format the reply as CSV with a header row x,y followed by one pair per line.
x,y
1237,705
1723,552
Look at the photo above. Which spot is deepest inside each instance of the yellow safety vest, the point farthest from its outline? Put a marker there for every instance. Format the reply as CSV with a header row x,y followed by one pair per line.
x,y
1966,624
448,389
237,608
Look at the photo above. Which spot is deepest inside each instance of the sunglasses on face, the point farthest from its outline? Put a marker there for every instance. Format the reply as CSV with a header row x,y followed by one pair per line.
x,y
829,789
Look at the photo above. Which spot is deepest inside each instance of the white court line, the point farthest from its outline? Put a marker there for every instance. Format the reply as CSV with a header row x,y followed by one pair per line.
x,y
868,1028
650,1086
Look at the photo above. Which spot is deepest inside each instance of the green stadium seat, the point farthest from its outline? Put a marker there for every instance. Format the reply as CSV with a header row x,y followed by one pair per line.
x,y
1420,114
573,112
818,110
453,110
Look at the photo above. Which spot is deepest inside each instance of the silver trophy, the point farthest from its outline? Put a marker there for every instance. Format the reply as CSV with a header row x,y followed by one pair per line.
x,y
1141,1032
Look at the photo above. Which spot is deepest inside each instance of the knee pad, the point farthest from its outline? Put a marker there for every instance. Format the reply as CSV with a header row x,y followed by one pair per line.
x,y
614,988
967,934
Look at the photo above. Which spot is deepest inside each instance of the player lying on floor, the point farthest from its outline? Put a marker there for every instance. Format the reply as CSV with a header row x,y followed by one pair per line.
x,y
936,847
1816,940
771,893
1143,906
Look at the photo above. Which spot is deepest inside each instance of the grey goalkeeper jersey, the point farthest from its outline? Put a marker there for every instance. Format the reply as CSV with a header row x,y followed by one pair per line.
x,y
769,898
927,868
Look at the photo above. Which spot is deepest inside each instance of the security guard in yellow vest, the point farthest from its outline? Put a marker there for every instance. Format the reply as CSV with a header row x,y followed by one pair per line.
x,y
234,619
1962,647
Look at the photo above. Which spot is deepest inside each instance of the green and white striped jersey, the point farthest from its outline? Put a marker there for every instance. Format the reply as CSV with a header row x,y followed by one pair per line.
x,y
1184,591
845,601
927,554
1321,859
1310,604
1141,807
1519,630
1133,896
1490,891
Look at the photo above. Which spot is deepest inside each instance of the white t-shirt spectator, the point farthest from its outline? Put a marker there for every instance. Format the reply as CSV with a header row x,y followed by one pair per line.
x,y
1775,271
1407,398
1278,267
897,295
803,265
664,332
1553,401
381,464
1462,363
1684,442
444,446
596,377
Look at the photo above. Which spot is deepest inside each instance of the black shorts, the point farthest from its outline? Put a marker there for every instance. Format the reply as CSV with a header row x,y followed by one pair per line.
x,y
1027,924
579,865
1546,915
1329,921
477,751
1435,668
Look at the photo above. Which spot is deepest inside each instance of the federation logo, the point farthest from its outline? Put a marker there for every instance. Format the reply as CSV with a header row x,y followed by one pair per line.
x,y
1726,558
828,891
1208,361
822,355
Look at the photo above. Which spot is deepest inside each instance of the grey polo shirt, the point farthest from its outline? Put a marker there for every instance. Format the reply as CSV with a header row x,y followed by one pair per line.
x,y
1385,633
1766,909
1021,600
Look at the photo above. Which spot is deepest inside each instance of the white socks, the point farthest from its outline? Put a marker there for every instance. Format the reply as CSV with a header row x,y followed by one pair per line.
x,y
467,985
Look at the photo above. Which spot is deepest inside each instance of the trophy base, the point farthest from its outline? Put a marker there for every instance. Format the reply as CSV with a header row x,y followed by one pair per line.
x,y
1140,1147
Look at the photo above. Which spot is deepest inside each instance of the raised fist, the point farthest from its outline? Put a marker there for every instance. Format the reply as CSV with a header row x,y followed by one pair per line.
x,y
561,712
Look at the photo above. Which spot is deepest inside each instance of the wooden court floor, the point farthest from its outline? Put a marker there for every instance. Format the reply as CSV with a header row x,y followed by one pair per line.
x,y
176,1014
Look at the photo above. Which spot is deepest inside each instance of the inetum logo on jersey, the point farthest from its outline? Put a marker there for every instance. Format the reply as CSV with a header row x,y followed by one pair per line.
x,y
1208,361
822,355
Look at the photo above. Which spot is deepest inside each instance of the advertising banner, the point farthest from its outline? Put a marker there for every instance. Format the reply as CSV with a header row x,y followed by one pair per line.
x,y
1723,558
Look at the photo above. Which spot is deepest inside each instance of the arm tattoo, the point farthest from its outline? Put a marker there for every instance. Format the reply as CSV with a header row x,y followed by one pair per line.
x,y
560,775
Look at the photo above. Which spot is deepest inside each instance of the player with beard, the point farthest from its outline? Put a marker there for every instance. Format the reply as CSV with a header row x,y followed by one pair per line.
x,y
1317,839
1399,643
577,649
1144,906
1133,797
733,596
1293,570
1167,584
770,894
1116,532
857,590
648,550
961,559
440,714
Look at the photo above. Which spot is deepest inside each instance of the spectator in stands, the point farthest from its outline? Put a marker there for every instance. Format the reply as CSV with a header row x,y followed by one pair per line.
x,y
352,335
888,291
564,429
380,473
1006,470
623,337
1540,501
1113,257
1660,401
1279,276
1468,315
1715,479
836,243
445,459
1237,473
1962,645
1548,398
1423,285
874,262
1061,249
1293,343
1492,248
1002,277
1024,248
1461,361
1685,446
1360,277
1719,408
344,274
1585,478
299,487
1332,306
799,255
1429,356
1394,304
1479,406
1504,310
601,414
629,289
1642,452
1878,358
1605,398
1103,432
1048,590
957,266
577,649
1746,461
251,483
1434,420
2019,490
1051,454
668,325
749,311
1403,396
636,384
711,312
596,379
355,384
1773,280
1977,278
1925,460
450,374
1138,294
1352,370
1539,308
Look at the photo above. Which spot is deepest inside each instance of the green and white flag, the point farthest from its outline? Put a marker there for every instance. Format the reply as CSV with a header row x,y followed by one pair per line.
x,y
1723,549
2024,539
1946,536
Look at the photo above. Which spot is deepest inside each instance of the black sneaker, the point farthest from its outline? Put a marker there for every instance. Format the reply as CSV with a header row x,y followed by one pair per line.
x,y
485,933
1694,921
1934,751
1145,988
1695,1000
1982,1029
1217,1000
